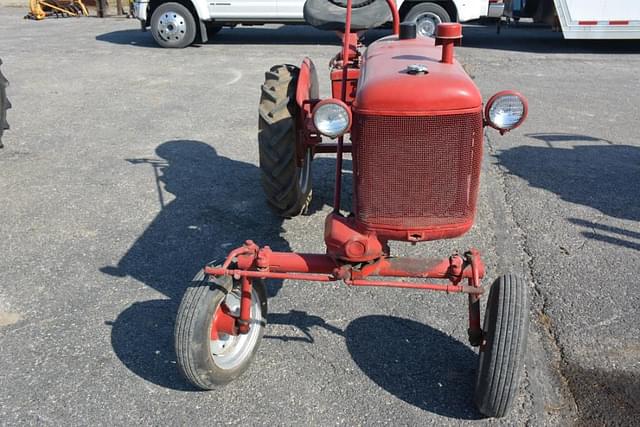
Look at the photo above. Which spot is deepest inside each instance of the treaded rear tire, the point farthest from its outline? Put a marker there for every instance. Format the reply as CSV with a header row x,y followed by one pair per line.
x,y
506,325
280,175
193,327
4,104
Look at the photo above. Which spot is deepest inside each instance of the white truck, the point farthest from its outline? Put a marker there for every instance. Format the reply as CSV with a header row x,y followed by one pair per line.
x,y
582,19
179,23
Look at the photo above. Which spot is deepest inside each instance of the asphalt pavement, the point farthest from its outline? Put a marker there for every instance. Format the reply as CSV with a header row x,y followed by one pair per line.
x,y
127,167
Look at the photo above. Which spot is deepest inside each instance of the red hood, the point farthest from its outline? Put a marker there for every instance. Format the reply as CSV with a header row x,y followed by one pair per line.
x,y
385,87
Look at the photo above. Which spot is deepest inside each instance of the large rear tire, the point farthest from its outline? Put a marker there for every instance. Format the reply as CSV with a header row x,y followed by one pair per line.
x,y
506,325
4,104
286,185
205,361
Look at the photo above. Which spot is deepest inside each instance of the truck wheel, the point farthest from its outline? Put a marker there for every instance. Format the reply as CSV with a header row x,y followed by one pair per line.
x,y
4,104
506,325
287,185
209,360
427,16
173,25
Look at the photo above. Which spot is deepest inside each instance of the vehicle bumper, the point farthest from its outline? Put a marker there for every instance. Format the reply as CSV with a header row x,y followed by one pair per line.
x,y
496,10
140,11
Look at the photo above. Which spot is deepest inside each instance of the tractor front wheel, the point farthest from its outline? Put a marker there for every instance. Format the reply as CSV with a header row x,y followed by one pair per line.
x,y
286,183
506,325
207,357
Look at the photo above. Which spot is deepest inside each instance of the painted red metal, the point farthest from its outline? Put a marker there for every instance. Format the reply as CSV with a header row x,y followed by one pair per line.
x,y
448,34
245,305
429,187
386,88
222,322
345,241
351,85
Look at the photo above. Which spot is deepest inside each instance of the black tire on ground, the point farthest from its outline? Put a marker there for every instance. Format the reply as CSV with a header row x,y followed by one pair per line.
x,y
212,28
286,185
426,16
506,325
173,25
194,346
4,104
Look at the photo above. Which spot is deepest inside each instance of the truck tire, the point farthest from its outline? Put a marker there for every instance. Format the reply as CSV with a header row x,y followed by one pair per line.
x,y
4,104
501,362
286,185
173,26
427,16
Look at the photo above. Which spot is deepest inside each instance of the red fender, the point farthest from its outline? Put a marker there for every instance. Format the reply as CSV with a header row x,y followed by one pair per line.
x,y
307,88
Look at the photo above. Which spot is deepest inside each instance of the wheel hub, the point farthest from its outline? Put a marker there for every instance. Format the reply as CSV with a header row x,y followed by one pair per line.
x,y
427,23
230,351
172,26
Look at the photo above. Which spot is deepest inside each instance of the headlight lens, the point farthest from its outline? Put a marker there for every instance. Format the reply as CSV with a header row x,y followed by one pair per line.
x,y
506,111
331,118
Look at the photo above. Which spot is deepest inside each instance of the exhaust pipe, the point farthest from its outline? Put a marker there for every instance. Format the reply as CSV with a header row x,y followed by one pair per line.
x,y
448,35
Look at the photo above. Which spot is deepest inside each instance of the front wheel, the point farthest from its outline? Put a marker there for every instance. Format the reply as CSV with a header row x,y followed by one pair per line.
x,y
427,16
506,325
206,357
173,26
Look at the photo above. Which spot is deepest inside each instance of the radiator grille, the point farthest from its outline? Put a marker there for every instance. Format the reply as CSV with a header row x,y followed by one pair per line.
x,y
416,172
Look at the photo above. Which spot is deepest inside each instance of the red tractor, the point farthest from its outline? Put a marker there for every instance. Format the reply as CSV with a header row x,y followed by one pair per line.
x,y
415,123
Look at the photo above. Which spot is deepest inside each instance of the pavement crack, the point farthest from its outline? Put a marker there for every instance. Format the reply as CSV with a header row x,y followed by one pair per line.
x,y
541,302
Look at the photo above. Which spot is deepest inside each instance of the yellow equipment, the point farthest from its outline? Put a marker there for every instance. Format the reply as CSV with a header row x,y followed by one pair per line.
x,y
40,9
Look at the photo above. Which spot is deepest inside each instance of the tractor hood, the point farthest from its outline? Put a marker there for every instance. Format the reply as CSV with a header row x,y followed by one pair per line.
x,y
386,85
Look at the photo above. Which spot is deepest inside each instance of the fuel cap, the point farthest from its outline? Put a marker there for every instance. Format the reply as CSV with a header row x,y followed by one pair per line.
x,y
416,69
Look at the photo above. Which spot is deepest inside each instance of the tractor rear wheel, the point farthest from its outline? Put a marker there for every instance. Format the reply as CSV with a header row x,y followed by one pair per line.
x,y
4,104
286,184
506,325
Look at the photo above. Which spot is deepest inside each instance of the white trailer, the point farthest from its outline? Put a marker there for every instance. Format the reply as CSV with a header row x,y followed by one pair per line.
x,y
583,19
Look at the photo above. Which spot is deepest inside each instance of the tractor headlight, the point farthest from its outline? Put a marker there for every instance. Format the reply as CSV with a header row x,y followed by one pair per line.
x,y
506,111
332,117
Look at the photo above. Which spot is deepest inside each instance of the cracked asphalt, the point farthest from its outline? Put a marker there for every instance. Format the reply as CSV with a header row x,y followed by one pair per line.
x,y
127,167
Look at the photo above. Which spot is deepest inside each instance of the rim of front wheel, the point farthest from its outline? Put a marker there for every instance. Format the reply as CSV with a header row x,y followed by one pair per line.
x,y
230,351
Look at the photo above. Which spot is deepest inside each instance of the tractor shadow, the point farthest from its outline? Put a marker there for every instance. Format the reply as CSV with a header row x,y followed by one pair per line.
x,y
587,171
413,361
209,205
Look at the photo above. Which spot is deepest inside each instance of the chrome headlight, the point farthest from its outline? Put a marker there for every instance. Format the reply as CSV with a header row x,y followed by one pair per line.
x,y
332,117
506,111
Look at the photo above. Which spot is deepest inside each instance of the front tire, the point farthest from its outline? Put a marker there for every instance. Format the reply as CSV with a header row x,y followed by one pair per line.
x,y
506,325
286,185
173,26
427,16
206,362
